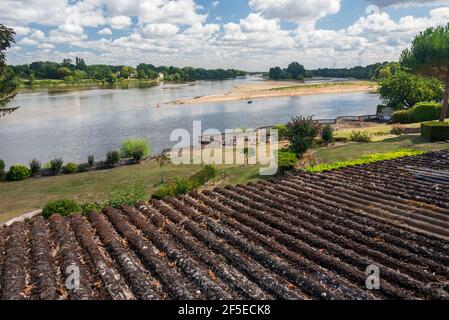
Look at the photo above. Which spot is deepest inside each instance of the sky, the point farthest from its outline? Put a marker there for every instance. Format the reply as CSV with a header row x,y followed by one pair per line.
x,y
252,35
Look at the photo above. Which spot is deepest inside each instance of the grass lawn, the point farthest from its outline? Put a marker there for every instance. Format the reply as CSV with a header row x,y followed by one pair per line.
x,y
20,197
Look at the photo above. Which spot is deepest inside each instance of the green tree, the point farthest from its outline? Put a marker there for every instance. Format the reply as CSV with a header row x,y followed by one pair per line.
x,y
404,89
296,71
301,133
429,56
8,84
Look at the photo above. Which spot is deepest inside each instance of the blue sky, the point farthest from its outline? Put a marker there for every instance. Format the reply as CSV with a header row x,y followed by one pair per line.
x,y
245,34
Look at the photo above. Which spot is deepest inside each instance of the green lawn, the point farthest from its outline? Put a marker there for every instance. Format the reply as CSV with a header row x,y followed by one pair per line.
x,y
24,196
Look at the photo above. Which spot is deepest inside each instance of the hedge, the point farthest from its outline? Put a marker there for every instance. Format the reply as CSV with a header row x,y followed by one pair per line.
x,y
421,112
371,158
435,131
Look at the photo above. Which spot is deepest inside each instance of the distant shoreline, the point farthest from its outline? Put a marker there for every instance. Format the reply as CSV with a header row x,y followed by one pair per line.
x,y
274,89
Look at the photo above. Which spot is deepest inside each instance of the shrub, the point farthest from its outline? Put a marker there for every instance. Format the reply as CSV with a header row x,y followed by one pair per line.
x,y
435,131
62,207
426,111
129,195
91,160
371,158
86,207
135,148
282,131
327,134
71,168
83,167
113,158
301,133
18,173
421,112
179,187
2,170
402,116
206,174
360,136
35,167
286,161
56,166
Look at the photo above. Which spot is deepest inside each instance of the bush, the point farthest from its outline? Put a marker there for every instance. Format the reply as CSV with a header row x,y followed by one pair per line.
x,y
18,173
421,112
62,207
83,167
286,161
35,167
135,148
402,116
426,111
184,186
301,133
130,196
56,166
371,158
179,187
327,134
91,161
435,131
86,207
112,158
2,169
71,168
360,136
282,131
206,174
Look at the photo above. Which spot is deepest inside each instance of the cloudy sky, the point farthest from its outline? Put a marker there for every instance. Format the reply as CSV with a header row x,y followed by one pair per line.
x,y
245,34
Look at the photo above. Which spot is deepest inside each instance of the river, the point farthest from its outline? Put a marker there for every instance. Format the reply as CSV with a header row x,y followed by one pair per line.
x,y
73,124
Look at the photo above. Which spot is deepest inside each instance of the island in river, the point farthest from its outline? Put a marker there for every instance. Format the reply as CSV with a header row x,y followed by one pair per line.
x,y
276,89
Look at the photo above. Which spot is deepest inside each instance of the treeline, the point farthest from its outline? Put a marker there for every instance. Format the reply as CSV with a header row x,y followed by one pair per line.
x,y
370,72
294,71
78,70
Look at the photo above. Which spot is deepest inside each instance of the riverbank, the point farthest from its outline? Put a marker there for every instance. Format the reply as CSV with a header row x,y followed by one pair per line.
x,y
276,89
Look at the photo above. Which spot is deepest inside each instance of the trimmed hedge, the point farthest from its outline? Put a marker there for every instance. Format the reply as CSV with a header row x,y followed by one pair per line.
x,y
18,173
421,112
435,131
63,207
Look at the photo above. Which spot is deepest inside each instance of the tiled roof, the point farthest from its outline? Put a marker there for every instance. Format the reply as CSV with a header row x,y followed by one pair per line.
x,y
301,237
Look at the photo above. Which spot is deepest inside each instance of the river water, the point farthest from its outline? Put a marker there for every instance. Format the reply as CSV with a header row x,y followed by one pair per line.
x,y
73,124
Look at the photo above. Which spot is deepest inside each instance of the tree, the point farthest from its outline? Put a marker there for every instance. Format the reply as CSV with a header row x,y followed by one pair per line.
x,y
7,78
296,71
404,89
275,73
80,64
301,133
429,56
